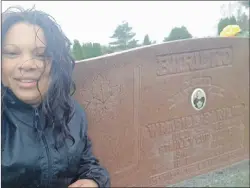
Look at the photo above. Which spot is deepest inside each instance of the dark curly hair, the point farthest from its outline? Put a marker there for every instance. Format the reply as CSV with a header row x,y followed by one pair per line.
x,y
57,105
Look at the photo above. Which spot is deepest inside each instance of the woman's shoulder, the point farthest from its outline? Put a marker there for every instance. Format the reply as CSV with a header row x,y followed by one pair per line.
x,y
79,109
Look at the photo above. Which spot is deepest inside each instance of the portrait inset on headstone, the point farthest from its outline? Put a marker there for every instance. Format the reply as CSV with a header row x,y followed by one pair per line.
x,y
198,99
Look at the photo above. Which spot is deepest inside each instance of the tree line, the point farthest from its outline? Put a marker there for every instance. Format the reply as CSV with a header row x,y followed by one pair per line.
x,y
124,37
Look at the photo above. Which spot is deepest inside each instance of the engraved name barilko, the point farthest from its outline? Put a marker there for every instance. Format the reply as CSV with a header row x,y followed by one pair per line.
x,y
170,64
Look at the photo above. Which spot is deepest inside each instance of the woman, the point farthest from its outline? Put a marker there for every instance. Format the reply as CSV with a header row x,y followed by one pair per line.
x,y
44,131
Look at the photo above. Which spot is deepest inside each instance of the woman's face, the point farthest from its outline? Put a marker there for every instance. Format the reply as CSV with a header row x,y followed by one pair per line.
x,y
24,63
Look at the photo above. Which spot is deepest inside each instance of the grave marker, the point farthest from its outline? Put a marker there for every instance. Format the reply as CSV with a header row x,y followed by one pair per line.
x,y
164,113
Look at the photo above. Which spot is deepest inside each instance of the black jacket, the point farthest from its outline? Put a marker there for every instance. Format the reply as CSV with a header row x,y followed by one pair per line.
x,y
29,157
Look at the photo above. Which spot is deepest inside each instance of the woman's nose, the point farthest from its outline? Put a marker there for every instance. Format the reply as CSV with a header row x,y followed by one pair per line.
x,y
28,63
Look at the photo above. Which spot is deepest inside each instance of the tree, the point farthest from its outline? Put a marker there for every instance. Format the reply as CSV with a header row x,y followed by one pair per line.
x,y
242,20
245,3
91,50
132,44
235,14
106,49
86,48
225,22
146,40
178,33
77,51
124,37
97,50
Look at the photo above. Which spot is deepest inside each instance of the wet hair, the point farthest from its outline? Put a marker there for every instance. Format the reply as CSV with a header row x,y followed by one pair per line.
x,y
57,104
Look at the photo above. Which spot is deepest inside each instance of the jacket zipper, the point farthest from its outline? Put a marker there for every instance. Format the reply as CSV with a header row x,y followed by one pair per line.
x,y
38,126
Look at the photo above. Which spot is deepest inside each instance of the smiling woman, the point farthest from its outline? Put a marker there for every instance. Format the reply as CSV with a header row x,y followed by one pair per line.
x,y
44,131
20,56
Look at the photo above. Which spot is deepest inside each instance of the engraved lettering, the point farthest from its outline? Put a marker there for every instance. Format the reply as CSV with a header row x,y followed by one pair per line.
x,y
180,154
224,113
192,61
196,167
191,158
201,138
184,143
194,121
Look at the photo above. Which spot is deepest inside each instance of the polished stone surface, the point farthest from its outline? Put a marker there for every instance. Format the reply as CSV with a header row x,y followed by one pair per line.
x,y
169,112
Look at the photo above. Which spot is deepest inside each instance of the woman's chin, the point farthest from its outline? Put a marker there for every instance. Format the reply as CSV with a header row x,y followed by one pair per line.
x,y
29,97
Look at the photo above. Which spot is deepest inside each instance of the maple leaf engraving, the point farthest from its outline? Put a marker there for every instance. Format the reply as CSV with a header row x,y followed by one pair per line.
x,y
100,98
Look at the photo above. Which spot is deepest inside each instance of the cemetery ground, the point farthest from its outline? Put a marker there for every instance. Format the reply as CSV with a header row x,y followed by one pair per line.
x,y
236,175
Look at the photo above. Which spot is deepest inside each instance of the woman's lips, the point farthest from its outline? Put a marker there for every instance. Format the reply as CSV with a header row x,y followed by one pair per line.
x,y
26,83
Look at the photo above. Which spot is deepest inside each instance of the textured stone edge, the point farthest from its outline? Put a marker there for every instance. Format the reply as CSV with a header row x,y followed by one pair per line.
x,y
236,175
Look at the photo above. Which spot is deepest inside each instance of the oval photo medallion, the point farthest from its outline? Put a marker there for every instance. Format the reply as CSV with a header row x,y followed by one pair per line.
x,y
198,99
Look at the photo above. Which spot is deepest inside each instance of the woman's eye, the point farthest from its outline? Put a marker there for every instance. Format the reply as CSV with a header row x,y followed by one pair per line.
x,y
11,54
40,56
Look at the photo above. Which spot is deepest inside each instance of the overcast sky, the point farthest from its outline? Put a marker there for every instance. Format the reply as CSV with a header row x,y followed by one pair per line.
x,y
93,21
